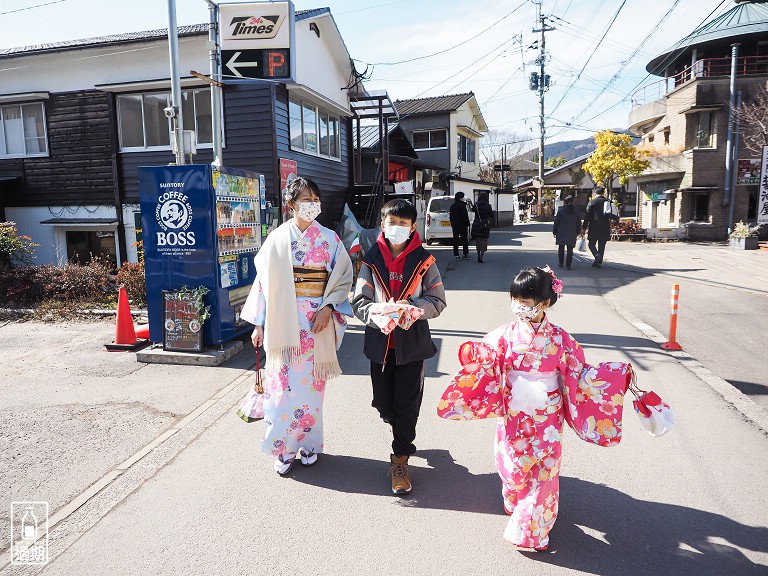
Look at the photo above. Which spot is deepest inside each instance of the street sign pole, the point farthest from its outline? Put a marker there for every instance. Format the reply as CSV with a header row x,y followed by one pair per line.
x,y
215,71
176,115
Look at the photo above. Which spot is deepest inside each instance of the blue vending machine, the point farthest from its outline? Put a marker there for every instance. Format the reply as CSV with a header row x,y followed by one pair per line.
x,y
201,226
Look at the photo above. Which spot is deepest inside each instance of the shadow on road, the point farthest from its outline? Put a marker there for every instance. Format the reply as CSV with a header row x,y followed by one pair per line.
x,y
599,530
603,531
750,388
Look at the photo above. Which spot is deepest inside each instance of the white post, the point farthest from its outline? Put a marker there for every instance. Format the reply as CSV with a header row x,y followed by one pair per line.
x,y
176,114
213,56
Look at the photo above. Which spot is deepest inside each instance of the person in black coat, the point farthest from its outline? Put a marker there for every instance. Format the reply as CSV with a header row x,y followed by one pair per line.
x,y
459,225
599,225
481,226
566,229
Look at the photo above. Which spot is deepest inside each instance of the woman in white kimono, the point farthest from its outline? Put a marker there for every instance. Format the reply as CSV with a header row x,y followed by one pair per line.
x,y
297,304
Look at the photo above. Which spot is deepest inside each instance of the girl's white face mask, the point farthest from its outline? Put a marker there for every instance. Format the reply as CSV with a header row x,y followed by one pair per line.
x,y
523,312
308,211
397,234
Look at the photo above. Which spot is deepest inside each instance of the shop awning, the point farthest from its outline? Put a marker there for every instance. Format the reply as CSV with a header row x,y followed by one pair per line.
x,y
95,222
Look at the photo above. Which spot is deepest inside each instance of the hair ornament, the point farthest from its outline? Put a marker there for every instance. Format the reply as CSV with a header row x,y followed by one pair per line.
x,y
557,284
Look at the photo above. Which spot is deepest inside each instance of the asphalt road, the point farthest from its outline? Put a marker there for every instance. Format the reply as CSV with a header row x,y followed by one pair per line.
x,y
206,500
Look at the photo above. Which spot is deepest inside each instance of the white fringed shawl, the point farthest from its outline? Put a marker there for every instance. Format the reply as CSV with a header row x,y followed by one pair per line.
x,y
274,263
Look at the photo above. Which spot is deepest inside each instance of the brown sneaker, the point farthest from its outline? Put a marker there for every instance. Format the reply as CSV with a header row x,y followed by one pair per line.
x,y
401,479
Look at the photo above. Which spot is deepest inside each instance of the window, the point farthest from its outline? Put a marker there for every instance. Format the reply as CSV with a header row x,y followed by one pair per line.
x,y
700,207
142,123
430,139
650,138
22,131
313,129
465,148
666,136
82,245
629,204
671,202
704,132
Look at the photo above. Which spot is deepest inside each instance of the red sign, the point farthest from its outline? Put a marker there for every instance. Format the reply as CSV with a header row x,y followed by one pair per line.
x,y
288,173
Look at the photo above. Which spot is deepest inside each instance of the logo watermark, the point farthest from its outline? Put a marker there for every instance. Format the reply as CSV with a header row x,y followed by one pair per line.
x,y
29,532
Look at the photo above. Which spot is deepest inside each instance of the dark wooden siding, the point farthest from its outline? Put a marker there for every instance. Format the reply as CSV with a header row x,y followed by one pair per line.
x,y
78,169
333,177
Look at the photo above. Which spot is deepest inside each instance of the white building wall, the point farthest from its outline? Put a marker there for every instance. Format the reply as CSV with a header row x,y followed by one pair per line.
x,y
322,63
88,67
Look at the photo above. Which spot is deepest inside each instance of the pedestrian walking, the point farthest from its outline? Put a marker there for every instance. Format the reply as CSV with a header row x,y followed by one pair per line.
x,y
598,222
297,305
459,225
566,230
481,226
531,374
398,268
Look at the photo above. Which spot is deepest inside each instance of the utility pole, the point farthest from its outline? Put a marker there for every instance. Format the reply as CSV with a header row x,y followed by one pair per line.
x,y
213,57
540,84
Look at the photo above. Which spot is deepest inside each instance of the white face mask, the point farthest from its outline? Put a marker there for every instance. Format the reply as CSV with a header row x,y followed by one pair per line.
x,y
523,312
308,211
397,234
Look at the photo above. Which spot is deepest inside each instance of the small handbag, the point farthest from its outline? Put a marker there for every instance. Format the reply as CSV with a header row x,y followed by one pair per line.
x,y
582,246
655,415
252,407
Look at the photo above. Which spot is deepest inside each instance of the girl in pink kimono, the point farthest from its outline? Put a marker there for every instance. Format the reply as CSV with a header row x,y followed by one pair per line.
x,y
531,375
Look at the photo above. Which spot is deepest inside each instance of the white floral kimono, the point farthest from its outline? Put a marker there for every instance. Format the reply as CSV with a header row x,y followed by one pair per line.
x,y
293,397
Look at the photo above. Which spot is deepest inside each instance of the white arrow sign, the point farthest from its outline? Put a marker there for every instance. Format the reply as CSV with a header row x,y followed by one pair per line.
x,y
231,64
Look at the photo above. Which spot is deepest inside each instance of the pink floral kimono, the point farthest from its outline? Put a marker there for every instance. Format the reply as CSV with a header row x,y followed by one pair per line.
x,y
532,378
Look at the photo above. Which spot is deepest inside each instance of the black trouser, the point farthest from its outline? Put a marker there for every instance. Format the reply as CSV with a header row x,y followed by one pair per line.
x,y
597,251
561,252
460,236
397,394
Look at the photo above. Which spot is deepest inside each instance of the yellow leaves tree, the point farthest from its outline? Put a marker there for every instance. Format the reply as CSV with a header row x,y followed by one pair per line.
x,y
615,157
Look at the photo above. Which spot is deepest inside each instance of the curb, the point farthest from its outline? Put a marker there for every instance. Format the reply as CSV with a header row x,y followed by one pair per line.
x,y
736,398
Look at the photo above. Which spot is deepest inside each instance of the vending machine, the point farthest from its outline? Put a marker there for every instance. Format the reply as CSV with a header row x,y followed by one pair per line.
x,y
201,227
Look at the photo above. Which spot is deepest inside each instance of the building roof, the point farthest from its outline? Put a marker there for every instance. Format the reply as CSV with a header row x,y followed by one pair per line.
x,y
569,164
447,103
369,135
129,37
746,18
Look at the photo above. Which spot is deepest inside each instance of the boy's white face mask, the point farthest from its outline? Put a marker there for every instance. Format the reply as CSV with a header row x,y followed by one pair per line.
x,y
397,234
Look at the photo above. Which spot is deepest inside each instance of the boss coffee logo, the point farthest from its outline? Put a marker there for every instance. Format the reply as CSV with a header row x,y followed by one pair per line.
x,y
255,27
174,215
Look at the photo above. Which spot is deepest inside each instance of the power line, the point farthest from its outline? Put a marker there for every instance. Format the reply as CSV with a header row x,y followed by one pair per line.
x,y
31,7
607,29
447,49
631,57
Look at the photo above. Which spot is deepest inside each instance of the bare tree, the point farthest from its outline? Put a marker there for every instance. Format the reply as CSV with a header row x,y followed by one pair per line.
x,y
501,146
754,122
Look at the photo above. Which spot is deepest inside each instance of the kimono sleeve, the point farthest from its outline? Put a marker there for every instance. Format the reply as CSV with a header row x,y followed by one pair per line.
x,y
593,396
475,392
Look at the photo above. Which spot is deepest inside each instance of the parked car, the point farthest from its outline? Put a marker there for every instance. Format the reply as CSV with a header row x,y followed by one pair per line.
x,y
438,223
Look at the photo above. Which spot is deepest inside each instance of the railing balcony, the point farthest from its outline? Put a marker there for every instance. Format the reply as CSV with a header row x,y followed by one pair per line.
x,y
705,68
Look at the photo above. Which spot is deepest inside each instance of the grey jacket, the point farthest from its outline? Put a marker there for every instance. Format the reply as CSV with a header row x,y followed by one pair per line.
x,y
567,226
415,343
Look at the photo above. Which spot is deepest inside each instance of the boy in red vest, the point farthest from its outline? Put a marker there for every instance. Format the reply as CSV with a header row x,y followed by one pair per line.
x,y
397,267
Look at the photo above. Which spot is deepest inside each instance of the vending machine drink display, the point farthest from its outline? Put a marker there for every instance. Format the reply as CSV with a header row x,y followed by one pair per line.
x,y
201,227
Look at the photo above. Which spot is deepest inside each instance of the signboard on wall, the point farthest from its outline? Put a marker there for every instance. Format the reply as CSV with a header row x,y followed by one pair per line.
x,y
749,171
762,191
257,40
288,173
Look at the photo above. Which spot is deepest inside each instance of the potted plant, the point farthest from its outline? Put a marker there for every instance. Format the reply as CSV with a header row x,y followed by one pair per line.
x,y
743,237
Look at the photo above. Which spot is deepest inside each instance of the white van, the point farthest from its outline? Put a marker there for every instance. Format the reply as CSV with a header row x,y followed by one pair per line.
x,y
438,223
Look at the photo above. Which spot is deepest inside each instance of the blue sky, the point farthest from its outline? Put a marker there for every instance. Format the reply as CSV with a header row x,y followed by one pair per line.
x,y
493,60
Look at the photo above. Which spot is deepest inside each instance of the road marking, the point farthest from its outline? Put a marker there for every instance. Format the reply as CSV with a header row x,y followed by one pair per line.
x,y
736,398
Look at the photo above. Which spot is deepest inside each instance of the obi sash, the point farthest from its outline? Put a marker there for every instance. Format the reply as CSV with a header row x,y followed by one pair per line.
x,y
310,281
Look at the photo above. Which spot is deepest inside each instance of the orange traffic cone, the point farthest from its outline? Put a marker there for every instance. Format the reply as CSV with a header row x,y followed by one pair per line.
x,y
142,331
125,335
124,332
